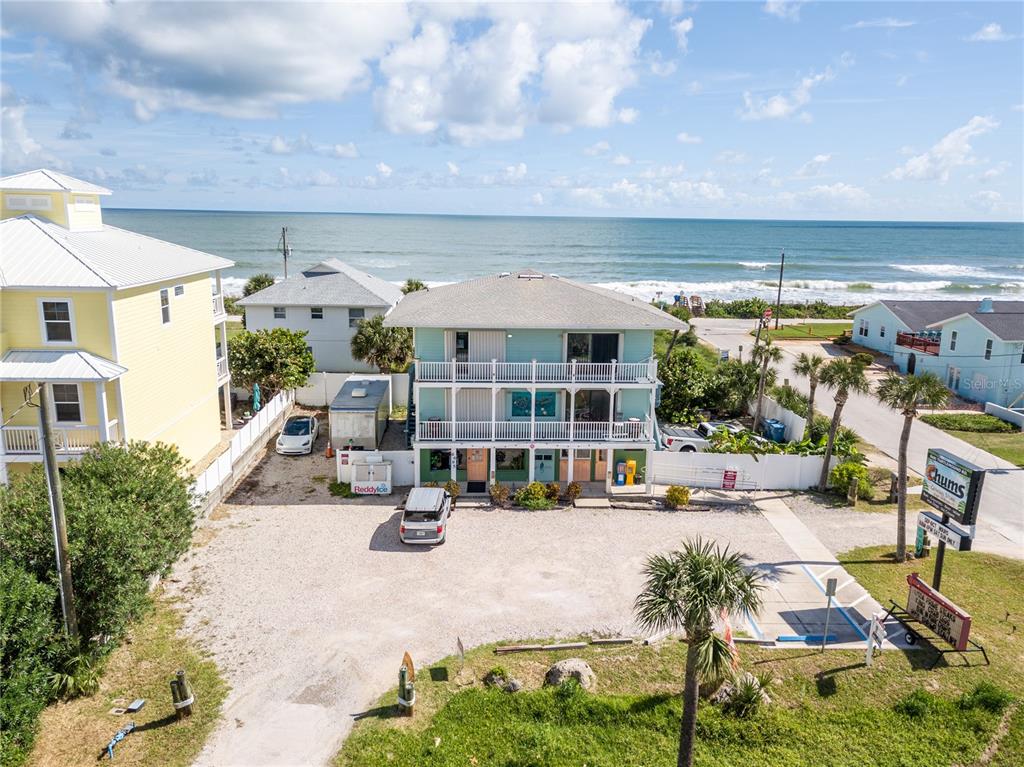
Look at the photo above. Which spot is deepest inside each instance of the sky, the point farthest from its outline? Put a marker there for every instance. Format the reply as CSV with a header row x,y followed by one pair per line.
x,y
794,110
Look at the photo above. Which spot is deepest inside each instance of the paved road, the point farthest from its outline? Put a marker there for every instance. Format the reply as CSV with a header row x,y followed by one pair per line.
x,y
1001,516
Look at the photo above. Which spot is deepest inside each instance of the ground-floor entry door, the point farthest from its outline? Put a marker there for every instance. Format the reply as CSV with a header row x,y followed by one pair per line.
x,y
476,470
544,465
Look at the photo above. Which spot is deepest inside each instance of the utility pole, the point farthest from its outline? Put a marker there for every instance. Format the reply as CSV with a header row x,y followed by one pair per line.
x,y
778,298
60,531
284,249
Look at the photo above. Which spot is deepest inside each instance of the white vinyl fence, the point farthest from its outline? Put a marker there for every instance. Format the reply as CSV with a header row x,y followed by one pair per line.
x,y
220,474
322,388
1014,416
744,472
403,469
795,425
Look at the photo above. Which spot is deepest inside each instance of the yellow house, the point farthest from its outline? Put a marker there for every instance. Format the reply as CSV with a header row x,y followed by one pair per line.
x,y
128,332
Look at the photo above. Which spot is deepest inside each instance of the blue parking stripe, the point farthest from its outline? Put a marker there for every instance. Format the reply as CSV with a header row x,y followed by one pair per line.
x,y
838,606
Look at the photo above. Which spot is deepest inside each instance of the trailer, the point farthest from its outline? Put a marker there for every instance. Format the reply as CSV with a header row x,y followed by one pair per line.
x,y
359,413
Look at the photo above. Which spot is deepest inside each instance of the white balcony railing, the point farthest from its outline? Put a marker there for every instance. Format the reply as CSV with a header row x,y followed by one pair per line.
x,y
218,307
27,440
574,372
222,368
538,431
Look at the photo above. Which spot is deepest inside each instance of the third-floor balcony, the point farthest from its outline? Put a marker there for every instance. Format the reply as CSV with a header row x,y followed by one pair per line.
x,y
574,372
926,343
219,314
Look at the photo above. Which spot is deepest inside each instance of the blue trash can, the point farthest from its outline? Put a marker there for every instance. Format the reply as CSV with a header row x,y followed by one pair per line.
x,y
773,429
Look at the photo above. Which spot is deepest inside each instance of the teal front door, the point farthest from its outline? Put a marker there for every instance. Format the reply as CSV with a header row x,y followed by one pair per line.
x,y
544,465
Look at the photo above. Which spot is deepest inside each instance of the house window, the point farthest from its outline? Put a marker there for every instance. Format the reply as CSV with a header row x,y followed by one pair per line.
x,y
440,460
510,460
462,347
988,349
279,313
67,404
165,306
952,341
316,312
179,290
27,201
881,331
863,329
581,455
355,316
1022,355
86,203
57,324
592,347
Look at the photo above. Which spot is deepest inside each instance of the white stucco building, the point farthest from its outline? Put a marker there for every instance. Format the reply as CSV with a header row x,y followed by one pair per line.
x,y
327,301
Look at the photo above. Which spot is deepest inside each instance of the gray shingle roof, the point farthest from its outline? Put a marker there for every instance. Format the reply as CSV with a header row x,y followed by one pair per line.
x,y
920,314
528,299
329,283
1006,319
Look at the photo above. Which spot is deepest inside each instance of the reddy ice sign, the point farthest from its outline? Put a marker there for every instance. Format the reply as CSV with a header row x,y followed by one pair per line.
x,y
952,485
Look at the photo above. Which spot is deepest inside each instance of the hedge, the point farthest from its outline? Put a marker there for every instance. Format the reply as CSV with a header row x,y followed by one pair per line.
x,y
979,422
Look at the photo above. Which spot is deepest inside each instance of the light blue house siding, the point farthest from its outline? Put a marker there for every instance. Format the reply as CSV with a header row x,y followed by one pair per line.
x,y
543,345
637,345
875,326
430,344
540,345
432,403
962,363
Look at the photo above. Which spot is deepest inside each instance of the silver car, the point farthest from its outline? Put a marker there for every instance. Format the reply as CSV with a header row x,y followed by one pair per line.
x,y
425,517
298,435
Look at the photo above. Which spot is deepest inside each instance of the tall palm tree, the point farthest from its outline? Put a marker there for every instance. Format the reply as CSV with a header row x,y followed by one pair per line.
x,y
764,354
386,349
412,285
680,313
690,589
905,394
257,282
809,365
843,376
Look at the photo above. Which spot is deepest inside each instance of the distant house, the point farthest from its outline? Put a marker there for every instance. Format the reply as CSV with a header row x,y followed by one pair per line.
x,y
977,348
127,332
327,301
528,376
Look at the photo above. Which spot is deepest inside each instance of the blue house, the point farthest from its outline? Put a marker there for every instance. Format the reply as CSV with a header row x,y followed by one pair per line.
x,y
977,348
527,376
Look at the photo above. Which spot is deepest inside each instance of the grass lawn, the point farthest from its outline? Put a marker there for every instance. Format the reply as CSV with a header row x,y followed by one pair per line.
x,y
810,331
234,327
828,709
1009,447
77,732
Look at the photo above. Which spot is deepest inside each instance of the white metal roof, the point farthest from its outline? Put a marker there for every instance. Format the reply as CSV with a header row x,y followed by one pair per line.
x,y
56,366
528,299
35,253
43,180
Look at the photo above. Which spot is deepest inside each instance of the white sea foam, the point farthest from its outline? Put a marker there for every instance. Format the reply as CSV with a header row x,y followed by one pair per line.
x,y
755,264
944,270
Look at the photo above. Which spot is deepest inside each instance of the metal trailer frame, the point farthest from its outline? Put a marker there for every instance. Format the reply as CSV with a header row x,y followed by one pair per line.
x,y
913,634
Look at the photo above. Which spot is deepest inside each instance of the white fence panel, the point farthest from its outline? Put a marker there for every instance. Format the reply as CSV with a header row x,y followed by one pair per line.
x,y
763,472
795,425
1015,416
403,468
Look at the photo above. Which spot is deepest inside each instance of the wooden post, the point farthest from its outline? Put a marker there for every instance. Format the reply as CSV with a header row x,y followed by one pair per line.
x,y
851,492
181,695
894,487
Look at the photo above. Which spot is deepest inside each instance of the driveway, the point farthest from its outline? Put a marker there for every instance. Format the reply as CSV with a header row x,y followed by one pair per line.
x,y
1001,515
307,603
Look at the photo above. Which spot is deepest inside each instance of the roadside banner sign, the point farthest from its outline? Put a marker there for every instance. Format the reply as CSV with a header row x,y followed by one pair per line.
x,y
729,479
876,635
952,485
931,523
928,606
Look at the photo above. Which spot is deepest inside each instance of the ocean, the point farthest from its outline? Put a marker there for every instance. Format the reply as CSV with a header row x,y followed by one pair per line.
x,y
836,261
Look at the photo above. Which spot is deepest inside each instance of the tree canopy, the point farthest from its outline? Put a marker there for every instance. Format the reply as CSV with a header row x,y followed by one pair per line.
x,y
275,359
388,349
412,285
257,282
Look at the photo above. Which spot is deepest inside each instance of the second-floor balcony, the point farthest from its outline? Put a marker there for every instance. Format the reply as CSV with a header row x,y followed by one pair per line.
x,y
633,430
219,313
574,372
222,369
926,343
26,441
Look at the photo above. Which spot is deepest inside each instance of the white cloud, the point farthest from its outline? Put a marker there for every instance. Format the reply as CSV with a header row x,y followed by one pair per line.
x,y
627,115
681,29
994,172
694,88
783,105
952,151
515,172
597,148
839,192
731,157
783,9
686,138
660,67
453,169
1018,107
302,145
621,159
813,167
537,198
887,23
348,150
847,60
646,194
384,170
990,33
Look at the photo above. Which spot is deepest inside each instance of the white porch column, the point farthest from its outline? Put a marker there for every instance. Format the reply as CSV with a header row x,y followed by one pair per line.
x,y
417,415
453,413
529,458
225,393
570,465
651,416
492,467
572,413
3,438
416,467
611,410
533,413
494,411
648,471
101,411
608,471
453,464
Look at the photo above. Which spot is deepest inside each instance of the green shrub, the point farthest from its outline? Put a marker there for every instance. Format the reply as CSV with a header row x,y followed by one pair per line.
x,y
340,489
499,494
819,427
789,398
533,496
847,472
452,488
979,422
553,491
987,696
572,491
130,511
917,704
28,629
677,496
78,674
746,698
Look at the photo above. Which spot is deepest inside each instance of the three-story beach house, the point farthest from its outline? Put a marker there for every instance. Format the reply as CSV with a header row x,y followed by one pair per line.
x,y
527,376
127,332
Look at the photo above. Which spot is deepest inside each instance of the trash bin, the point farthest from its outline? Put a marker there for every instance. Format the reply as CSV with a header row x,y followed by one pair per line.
x,y
620,473
773,429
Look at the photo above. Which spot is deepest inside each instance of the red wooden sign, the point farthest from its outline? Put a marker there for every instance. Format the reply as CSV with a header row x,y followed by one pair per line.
x,y
937,613
729,479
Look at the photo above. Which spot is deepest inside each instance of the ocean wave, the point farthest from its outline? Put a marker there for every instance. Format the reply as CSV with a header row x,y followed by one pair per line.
x,y
943,270
754,264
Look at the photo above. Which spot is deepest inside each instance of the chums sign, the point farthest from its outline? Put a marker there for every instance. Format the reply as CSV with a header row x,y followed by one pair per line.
x,y
952,485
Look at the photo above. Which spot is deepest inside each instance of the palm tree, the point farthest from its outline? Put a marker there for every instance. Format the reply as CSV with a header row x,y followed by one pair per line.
x,y
412,285
764,354
809,365
257,282
680,313
386,349
905,394
842,376
691,589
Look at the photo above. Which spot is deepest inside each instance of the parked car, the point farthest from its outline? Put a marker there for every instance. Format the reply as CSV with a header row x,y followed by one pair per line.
x,y
298,435
684,439
425,516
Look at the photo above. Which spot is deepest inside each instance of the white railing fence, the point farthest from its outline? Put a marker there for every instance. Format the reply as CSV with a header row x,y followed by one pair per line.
x,y
221,470
542,431
218,305
645,372
27,440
